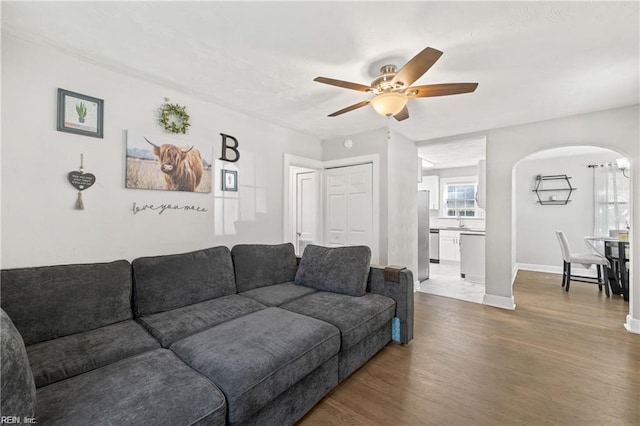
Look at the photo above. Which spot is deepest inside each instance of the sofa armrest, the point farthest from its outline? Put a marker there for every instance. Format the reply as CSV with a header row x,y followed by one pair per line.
x,y
397,283
18,393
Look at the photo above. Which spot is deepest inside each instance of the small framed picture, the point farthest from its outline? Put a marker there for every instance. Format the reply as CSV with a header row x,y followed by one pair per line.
x,y
229,180
80,114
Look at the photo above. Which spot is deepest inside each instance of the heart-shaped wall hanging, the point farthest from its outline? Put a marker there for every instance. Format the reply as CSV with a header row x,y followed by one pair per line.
x,y
81,181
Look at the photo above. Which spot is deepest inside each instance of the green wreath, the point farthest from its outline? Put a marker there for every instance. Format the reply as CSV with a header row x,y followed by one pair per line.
x,y
174,118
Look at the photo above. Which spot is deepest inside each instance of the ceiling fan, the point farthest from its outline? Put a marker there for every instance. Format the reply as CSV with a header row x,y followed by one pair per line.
x,y
392,88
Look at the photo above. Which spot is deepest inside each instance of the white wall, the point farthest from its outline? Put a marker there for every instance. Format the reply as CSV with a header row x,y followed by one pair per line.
x,y
616,129
39,223
365,143
403,203
537,246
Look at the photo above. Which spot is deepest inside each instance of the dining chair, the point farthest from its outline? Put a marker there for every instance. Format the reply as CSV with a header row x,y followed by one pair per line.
x,y
586,260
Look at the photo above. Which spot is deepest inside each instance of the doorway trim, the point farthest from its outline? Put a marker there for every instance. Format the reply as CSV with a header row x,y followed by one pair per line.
x,y
288,196
632,325
296,161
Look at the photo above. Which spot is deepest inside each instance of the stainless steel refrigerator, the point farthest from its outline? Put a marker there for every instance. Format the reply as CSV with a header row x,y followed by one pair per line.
x,y
423,235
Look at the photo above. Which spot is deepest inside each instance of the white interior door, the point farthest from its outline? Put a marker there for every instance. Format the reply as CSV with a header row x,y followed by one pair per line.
x,y
348,206
306,209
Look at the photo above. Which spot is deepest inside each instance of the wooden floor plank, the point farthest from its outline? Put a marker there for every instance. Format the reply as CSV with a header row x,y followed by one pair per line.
x,y
559,358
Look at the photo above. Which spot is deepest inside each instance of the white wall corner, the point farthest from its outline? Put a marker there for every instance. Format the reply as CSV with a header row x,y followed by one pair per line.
x,y
501,302
632,325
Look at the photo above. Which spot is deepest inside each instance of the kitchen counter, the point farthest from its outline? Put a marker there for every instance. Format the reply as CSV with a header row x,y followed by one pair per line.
x,y
457,228
450,238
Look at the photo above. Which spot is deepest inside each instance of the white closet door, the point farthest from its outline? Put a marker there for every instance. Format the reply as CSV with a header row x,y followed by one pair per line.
x,y
348,205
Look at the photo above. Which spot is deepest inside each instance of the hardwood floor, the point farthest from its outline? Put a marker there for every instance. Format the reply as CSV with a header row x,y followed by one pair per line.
x,y
559,358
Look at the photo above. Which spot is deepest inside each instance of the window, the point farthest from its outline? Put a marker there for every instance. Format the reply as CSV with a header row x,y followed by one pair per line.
x,y
459,198
612,191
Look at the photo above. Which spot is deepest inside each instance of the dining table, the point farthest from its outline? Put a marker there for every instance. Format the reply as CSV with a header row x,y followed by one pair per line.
x,y
615,251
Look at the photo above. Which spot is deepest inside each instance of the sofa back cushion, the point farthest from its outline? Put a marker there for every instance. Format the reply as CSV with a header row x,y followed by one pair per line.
x,y
338,269
18,388
163,283
259,265
54,301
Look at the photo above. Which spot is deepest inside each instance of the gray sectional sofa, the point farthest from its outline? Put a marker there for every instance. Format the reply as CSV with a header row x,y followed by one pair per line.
x,y
251,335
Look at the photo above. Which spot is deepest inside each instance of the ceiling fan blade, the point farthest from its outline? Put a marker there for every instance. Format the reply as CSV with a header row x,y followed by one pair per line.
x,y
417,66
403,114
350,108
445,89
345,84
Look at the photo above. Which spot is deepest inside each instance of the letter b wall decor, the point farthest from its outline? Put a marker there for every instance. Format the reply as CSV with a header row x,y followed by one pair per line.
x,y
226,147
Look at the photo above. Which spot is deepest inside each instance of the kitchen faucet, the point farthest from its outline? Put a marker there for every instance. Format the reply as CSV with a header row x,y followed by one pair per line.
x,y
460,221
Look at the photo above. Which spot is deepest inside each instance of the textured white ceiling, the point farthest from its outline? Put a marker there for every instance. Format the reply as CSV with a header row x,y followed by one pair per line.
x,y
533,60
457,153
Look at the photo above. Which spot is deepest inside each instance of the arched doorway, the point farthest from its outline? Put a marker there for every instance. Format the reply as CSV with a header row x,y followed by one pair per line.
x,y
581,210
617,129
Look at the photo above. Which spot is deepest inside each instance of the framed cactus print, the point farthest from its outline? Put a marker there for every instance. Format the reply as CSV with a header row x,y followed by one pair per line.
x,y
80,114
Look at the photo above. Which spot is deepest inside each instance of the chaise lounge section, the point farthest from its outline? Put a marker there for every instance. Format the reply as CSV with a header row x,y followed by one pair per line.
x,y
251,335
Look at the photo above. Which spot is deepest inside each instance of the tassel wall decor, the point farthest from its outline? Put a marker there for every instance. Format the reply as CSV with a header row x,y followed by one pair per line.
x,y
81,181
79,203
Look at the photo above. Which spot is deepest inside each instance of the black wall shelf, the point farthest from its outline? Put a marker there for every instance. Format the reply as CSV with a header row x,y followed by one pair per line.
x,y
560,192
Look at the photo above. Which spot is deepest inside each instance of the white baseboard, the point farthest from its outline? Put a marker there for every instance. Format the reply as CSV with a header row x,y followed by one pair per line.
x,y
549,269
499,301
632,325
416,285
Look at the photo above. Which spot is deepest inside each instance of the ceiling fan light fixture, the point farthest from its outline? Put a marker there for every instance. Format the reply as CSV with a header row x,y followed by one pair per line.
x,y
392,88
389,103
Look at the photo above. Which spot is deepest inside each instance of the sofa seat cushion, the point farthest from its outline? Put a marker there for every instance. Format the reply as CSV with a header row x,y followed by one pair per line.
x,y
276,295
356,317
337,269
173,325
258,265
69,356
255,358
162,283
153,388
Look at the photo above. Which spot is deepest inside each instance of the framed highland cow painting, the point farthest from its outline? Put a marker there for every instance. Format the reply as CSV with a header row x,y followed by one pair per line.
x,y
157,162
80,114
